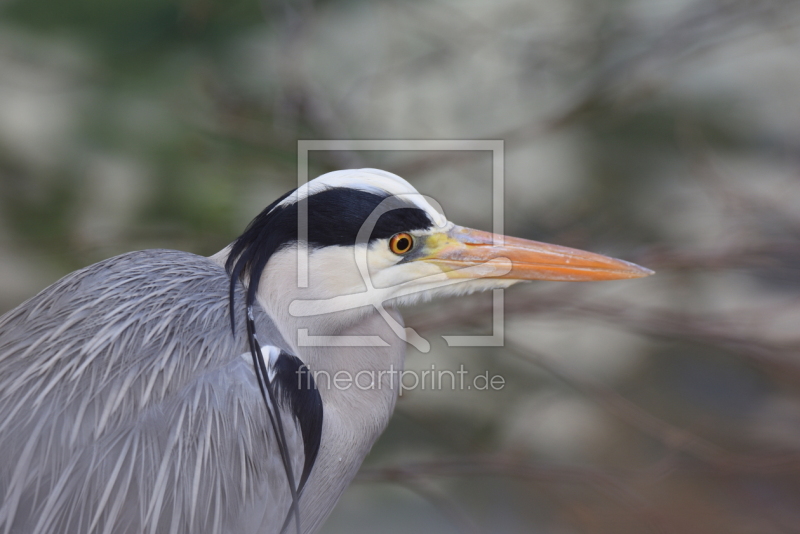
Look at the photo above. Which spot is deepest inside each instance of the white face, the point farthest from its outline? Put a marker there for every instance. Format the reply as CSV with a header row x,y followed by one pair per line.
x,y
347,278
374,275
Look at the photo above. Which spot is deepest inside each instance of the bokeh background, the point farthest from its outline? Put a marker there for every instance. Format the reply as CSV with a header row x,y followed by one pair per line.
x,y
666,132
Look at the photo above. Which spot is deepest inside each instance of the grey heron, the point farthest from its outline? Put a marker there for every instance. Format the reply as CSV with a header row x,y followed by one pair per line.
x,y
164,392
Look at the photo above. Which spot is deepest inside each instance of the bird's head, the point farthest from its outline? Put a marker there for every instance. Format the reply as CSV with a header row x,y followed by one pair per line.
x,y
350,241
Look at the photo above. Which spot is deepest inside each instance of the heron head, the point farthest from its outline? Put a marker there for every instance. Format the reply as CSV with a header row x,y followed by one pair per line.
x,y
353,239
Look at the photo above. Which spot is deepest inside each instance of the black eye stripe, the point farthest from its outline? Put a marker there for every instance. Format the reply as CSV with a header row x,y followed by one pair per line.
x,y
335,217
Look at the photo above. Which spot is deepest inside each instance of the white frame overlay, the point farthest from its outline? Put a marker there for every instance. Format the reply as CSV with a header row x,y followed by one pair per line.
x,y
495,146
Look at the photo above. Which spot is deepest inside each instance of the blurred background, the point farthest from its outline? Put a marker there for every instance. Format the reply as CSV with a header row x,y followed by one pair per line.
x,y
665,132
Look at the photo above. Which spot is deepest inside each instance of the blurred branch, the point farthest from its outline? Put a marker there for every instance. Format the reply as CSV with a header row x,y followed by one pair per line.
x,y
512,138
605,483
460,519
742,205
699,27
664,324
298,103
756,254
669,435
698,329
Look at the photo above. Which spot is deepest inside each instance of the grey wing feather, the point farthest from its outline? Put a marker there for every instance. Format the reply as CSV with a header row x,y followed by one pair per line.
x,y
128,406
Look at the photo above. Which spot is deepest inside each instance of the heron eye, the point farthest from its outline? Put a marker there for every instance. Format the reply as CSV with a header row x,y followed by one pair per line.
x,y
401,243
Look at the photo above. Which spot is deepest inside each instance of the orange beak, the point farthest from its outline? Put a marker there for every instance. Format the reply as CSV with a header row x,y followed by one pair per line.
x,y
467,253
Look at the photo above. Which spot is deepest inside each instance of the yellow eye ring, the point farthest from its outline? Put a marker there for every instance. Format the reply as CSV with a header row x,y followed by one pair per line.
x,y
401,243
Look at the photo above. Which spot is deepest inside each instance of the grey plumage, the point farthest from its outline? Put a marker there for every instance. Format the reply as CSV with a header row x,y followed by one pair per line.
x,y
127,405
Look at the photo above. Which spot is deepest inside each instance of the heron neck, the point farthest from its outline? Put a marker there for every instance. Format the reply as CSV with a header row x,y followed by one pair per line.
x,y
356,359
